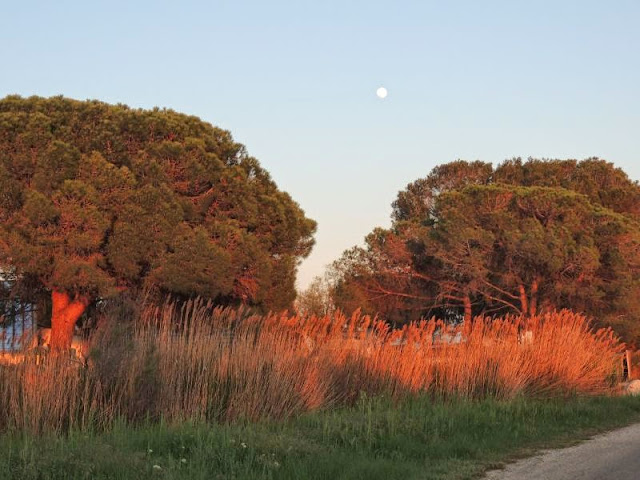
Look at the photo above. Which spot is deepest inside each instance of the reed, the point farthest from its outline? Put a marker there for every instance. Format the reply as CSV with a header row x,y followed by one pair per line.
x,y
195,362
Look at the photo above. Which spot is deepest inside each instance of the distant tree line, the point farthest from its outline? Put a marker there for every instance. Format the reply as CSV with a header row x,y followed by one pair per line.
x,y
524,237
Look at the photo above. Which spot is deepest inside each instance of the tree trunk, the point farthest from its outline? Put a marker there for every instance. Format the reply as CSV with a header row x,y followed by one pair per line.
x,y
533,307
66,312
467,310
628,354
524,303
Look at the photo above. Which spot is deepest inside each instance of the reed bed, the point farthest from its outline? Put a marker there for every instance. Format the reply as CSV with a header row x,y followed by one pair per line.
x,y
195,362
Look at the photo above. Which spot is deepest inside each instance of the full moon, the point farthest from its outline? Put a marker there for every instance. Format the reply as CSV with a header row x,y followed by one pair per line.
x,y
381,92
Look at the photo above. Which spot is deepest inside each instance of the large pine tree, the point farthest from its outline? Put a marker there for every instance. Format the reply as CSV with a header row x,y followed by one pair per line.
x,y
469,239
96,198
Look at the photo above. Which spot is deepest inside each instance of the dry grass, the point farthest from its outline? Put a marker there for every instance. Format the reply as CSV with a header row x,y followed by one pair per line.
x,y
200,363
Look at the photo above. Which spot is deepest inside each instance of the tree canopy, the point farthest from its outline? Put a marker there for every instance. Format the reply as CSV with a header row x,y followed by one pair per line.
x,y
96,198
528,235
315,299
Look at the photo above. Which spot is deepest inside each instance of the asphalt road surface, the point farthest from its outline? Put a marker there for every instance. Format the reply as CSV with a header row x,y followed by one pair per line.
x,y
611,456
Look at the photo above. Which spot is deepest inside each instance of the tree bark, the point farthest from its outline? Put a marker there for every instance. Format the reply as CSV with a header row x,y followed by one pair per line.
x,y
467,310
66,312
524,303
533,306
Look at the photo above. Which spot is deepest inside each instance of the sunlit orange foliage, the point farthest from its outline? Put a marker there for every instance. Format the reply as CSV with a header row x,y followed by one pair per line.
x,y
196,362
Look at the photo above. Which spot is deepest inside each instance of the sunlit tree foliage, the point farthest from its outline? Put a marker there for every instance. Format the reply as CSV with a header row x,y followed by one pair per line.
x,y
523,237
96,199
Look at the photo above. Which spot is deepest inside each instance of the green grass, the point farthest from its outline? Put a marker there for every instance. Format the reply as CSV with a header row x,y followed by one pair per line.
x,y
417,439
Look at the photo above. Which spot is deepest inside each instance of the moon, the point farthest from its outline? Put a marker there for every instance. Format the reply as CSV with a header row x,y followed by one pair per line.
x,y
381,92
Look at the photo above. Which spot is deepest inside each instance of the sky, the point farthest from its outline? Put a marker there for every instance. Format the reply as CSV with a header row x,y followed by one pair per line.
x,y
295,82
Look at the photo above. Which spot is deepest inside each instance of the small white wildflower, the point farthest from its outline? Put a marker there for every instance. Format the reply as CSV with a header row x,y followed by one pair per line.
x,y
276,464
149,451
243,445
157,467
183,460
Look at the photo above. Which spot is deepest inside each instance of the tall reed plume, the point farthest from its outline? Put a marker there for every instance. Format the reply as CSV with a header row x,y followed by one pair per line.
x,y
199,363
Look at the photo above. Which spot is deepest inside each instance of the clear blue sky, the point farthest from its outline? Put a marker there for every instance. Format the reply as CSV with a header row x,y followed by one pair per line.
x,y
295,82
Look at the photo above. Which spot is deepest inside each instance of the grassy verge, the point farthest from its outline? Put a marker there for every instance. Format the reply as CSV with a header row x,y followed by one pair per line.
x,y
374,440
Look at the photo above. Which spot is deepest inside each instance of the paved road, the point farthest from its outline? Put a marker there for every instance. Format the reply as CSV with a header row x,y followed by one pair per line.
x,y
611,456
